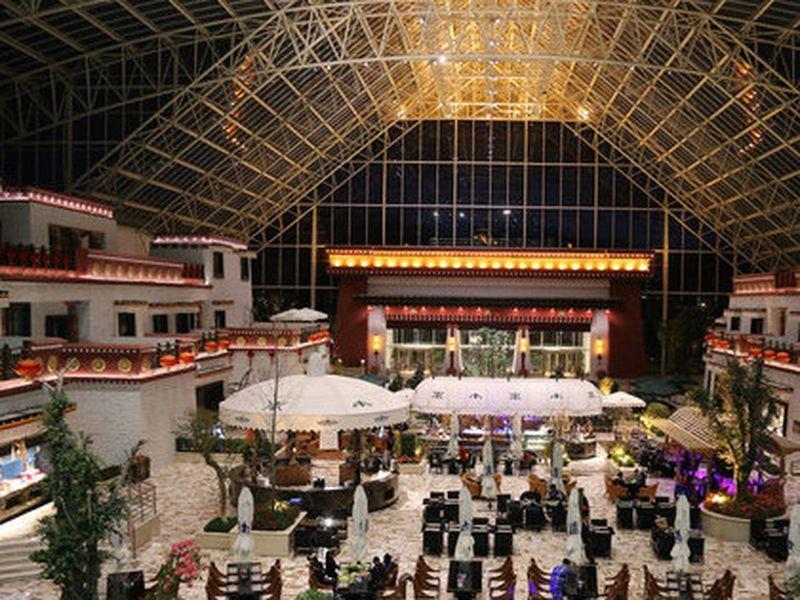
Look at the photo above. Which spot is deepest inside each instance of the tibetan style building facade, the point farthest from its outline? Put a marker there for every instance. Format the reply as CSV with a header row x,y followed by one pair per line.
x,y
142,329
574,312
763,321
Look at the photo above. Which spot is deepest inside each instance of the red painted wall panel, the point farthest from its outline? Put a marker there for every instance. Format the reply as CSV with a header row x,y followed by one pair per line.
x,y
626,357
350,328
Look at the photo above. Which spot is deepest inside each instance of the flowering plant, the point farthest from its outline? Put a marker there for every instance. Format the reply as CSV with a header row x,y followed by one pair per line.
x,y
767,503
277,519
183,565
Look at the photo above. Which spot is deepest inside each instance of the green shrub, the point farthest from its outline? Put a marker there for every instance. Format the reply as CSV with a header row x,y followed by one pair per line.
x,y
312,595
220,525
408,444
221,446
657,410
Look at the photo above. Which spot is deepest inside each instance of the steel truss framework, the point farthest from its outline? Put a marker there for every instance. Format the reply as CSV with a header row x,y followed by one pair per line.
x,y
258,103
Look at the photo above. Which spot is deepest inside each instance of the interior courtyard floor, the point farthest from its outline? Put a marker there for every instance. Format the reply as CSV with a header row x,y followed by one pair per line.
x,y
187,497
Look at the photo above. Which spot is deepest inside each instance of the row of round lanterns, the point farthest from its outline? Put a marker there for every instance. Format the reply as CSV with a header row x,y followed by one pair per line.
x,y
168,361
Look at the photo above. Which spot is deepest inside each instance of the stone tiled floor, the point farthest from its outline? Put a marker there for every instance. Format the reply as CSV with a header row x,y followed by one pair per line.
x,y
187,497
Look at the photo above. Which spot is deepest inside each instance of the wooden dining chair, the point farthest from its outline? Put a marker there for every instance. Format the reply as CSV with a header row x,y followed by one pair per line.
x,y
775,592
397,591
648,492
505,591
423,588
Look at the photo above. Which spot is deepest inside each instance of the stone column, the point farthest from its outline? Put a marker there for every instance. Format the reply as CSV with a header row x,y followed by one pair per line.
x,y
452,354
598,343
522,352
376,340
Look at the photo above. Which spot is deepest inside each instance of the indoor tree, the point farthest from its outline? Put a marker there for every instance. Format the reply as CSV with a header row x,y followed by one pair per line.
x,y
201,427
87,509
682,340
741,412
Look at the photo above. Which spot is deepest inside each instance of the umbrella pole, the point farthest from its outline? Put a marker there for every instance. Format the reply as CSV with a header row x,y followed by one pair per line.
x,y
357,452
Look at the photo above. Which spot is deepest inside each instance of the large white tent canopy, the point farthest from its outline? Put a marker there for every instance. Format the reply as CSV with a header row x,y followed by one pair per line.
x,y
315,403
497,397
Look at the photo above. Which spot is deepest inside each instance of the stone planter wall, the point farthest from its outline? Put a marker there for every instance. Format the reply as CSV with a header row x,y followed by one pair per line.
x,y
723,527
276,543
411,468
215,540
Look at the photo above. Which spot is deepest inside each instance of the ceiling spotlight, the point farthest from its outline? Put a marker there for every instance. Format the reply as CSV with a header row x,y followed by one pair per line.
x,y
401,112
461,215
583,113
442,59
506,212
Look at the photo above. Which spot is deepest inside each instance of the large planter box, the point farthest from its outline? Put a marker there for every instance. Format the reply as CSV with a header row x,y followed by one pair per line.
x,y
197,458
215,540
276,543
723,527
412,468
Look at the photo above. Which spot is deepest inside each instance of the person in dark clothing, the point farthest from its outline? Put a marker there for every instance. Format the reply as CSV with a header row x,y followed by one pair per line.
x,y
562,579
583,503
586,538
331,568
555,495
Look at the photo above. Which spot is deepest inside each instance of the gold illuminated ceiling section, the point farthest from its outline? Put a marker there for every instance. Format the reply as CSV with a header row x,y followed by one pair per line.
x,y
480,62
488,262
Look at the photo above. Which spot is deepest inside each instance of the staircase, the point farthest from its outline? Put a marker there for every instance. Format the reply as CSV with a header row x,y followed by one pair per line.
x,y
14,561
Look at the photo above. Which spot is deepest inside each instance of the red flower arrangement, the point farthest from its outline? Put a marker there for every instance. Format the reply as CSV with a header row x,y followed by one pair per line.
x,y
277,519
767,503
183,565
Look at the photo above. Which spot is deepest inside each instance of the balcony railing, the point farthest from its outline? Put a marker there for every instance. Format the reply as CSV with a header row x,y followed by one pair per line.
x,y
41,263
31,257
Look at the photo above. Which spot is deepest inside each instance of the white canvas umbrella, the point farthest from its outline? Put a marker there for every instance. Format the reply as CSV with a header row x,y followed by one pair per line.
x,y
358,544
452,445
516,440
243,545
680,550
557,466
488,485
575,550
465,545
622,400
314,402
793,562
299,315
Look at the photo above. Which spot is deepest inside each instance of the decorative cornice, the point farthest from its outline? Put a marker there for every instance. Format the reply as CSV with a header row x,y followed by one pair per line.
x,y
58,200
483,262
200,240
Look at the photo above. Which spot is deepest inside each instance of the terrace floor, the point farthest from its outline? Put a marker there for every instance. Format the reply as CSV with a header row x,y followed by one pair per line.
x,y
187,497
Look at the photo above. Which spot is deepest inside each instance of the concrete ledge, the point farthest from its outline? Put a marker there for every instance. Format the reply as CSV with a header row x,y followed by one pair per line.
x,y
208,540
146,531
276,543
723,527
196,458
411,468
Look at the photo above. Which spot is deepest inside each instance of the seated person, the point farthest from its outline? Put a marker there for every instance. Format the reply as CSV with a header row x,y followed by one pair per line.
x,y
319,572
563,580
331,568
529,496
619,479
378,573
555,495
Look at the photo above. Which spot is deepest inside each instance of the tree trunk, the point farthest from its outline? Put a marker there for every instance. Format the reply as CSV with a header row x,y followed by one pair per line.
x,y
221,483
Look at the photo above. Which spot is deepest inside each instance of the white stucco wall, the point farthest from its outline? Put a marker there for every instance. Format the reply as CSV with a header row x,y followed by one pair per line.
x,y
117,415
29,223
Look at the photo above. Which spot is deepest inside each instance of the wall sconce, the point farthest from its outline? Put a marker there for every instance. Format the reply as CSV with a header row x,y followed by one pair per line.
x,y
599,348
523,345
451,344
377,343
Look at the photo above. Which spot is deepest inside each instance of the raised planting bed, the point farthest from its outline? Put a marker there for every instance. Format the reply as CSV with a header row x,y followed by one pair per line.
x,y
218,534
276,543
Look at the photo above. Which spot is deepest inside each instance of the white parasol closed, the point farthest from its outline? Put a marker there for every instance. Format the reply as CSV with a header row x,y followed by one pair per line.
x,y
793,562
243,545
358,544
452,444
557,466
516,439
465,545
576,553
680,550
488,485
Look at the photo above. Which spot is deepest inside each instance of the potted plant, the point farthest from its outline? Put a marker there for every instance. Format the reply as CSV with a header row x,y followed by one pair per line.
x,y
312,595
409,454
139,469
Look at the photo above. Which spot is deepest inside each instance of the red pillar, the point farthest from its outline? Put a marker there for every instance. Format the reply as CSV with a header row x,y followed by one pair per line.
x,y
626,356
350,342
